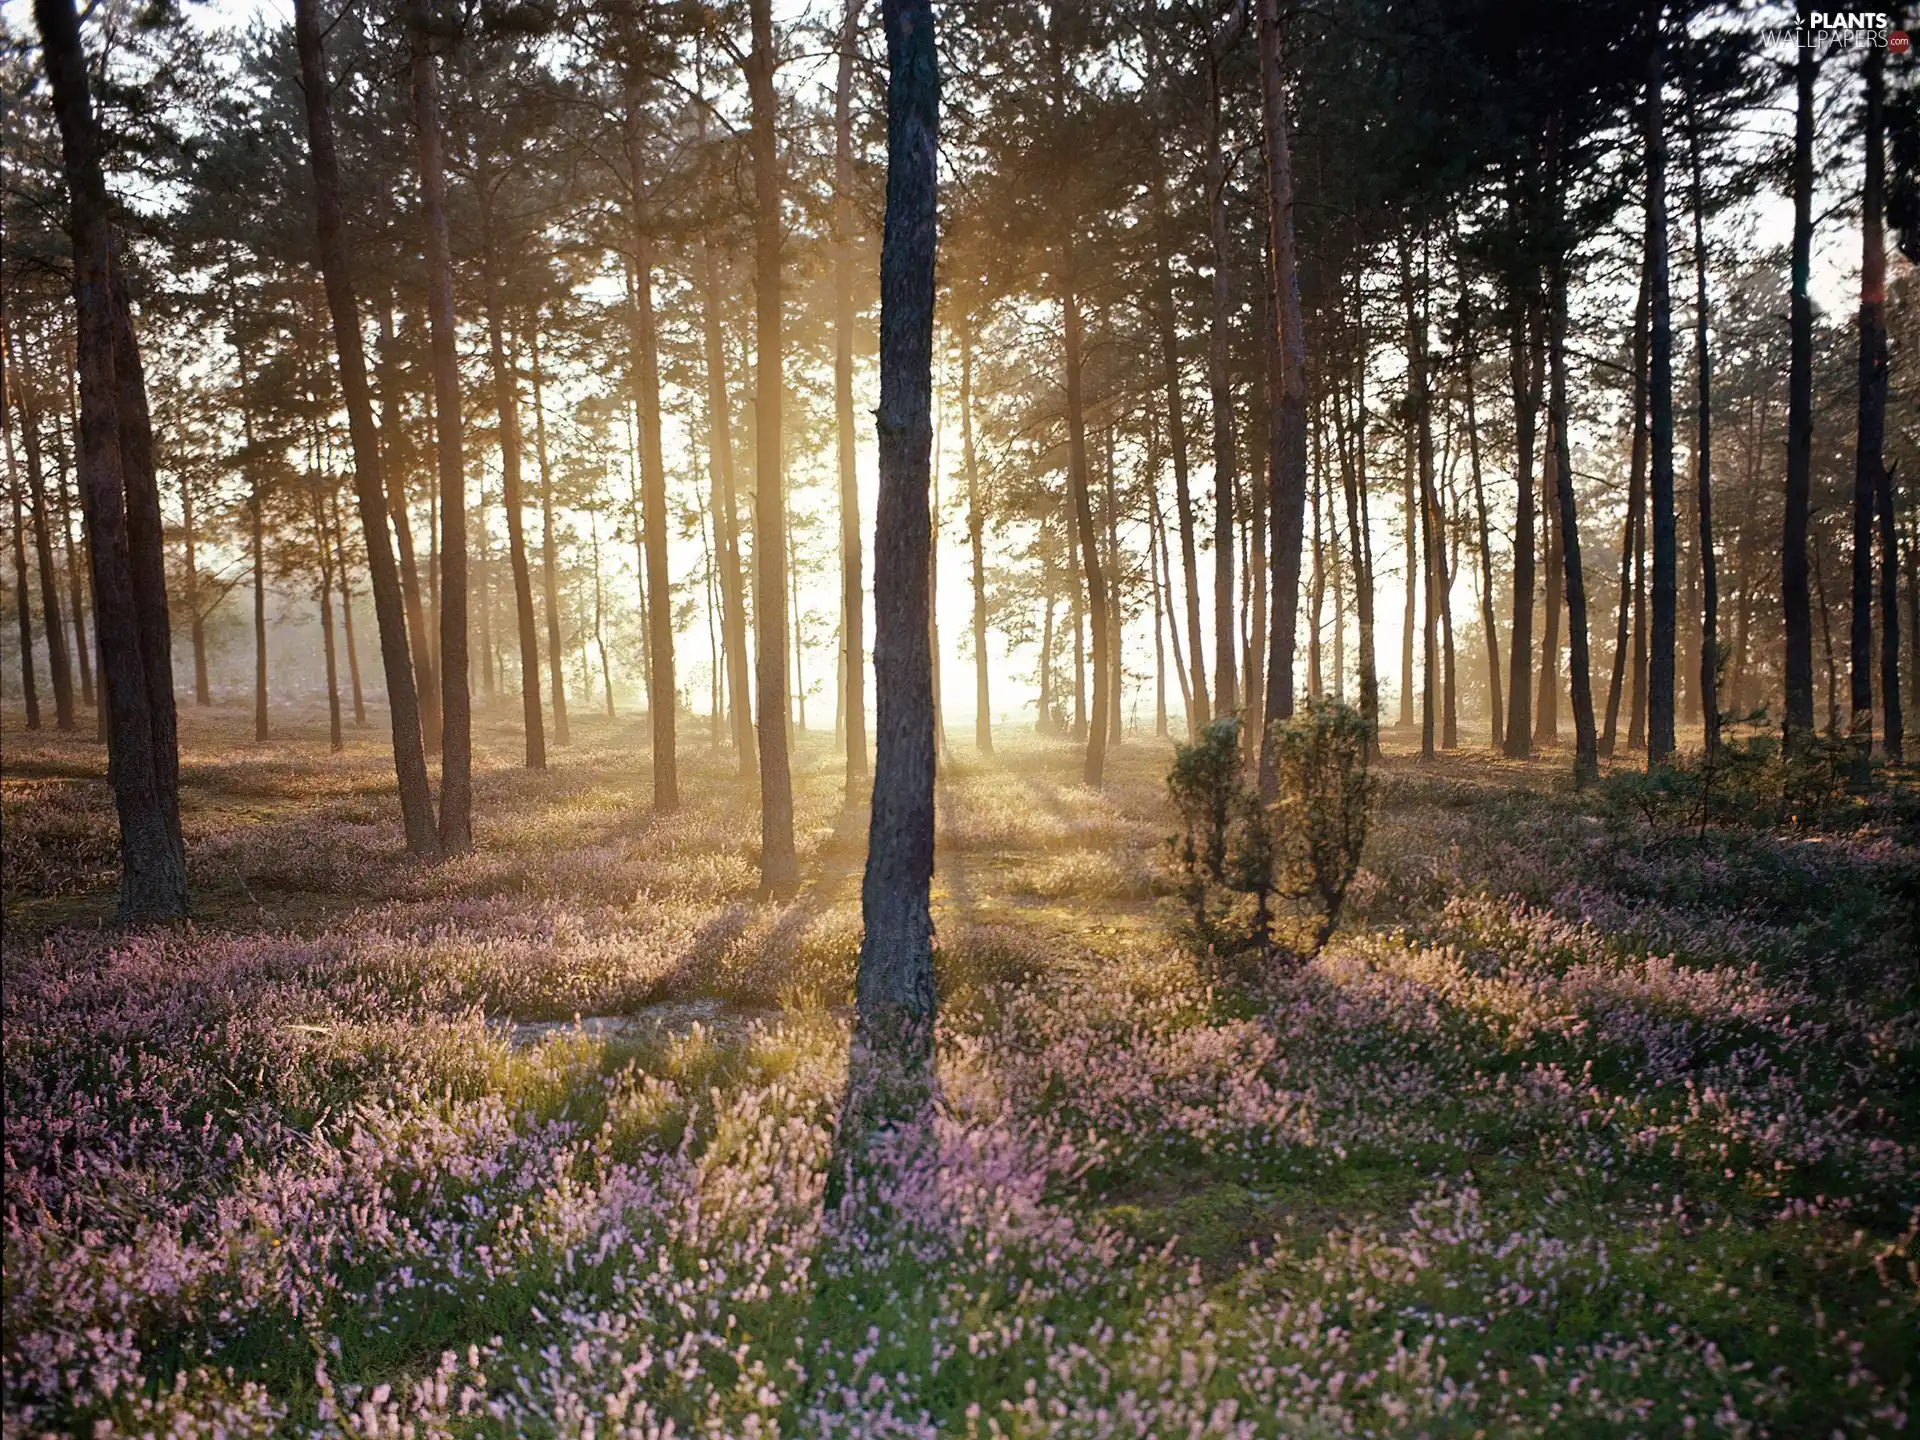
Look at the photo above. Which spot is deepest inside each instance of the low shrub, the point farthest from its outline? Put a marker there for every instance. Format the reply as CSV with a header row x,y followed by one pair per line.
x,y
1263,875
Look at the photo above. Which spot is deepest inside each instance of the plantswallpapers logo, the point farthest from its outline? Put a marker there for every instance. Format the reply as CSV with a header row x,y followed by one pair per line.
x,y
1844,30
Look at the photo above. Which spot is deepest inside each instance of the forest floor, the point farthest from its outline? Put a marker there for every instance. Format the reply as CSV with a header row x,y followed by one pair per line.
x,y
1587,1122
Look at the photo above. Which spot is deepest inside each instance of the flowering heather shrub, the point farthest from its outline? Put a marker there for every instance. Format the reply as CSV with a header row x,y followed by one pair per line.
x,y
57,837
1550,1144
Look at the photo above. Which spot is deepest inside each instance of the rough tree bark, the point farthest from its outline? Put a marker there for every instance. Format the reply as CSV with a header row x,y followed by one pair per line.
x,y
779,866
196,619
1795,599
1226,684
1091,571
1703,469
549,546
394,453
643,362
1488,623
1524,379
346,612
1287,445
1631,529
1586,764
323,594
1419,492
29,693
77,580
1665,607
1412,502
852,599
58,671
1353,465
895,992
726,521
1868,464
1169,338
976,542
122,509
1895,731
1546,698
506,404
456,714
409,760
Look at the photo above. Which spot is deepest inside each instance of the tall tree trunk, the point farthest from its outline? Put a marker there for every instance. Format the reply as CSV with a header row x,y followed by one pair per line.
x,y
506,402
1895,731
1489,624
1826,637
456,740
482,594
1166,589
1446,566
733,593
346,616
1737,687
644,370
122,508
853,645
1411,505
1077,609
394,452
779,866
58,672
1110,514
433,580
599,621
1546,700
1258,510
1913,592
895,981
1226,684
1586,765
1169,337
77,581
1045,703
256,524
798,627
1630,531
1159,625
549,548
1287,442
323,556
716,665
1420,471
409,760
1637,713
196,618
933,590
1868,465
1360,532
1080,483
21,608
146,545
1795,600
1335,552
1317,576
1703,468
976,542
1524,378
1661,663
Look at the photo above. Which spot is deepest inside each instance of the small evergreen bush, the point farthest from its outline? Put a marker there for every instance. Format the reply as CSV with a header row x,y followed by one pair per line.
x,y
1271,877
